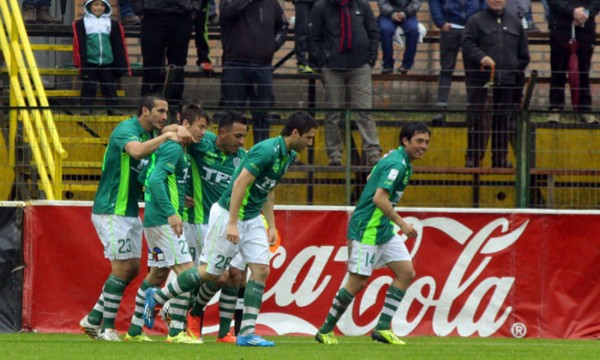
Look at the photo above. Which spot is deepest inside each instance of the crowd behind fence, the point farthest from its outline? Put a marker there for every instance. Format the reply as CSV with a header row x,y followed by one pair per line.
x,y
554,163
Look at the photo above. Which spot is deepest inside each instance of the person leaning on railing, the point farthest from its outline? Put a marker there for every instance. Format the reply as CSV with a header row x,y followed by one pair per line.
x,y
567,16
493,39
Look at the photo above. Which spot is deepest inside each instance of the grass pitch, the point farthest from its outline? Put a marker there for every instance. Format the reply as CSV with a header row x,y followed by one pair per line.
x,y
69,346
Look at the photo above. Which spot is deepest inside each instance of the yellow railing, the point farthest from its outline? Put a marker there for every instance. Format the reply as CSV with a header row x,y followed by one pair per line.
x,y
28,94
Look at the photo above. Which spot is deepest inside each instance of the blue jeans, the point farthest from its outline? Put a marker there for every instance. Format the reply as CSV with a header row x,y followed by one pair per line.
x,y
241,82
44,3
387,29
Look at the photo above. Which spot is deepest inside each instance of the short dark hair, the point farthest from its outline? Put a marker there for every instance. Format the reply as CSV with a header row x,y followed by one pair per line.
x,y
300,121
414,127
231,117
192,112
148,101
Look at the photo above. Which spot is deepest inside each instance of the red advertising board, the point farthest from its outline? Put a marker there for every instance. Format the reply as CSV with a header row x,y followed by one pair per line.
x,y
493,273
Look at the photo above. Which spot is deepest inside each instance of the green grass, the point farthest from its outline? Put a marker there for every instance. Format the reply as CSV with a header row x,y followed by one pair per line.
x,y
63,346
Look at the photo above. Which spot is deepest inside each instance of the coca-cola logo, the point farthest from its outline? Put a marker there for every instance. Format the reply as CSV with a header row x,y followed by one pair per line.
x,y
467,299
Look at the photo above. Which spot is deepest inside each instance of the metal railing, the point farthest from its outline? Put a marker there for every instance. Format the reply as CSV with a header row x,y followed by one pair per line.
x,y
32,108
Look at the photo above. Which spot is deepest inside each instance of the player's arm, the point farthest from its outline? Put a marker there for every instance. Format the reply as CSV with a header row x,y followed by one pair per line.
x,y
241,183
140,150
156,185
270,216
183,134
381,199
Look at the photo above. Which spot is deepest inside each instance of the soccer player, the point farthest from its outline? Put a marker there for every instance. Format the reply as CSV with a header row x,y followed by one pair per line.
x,y
115,213
166,181
235,225
372,242
213,162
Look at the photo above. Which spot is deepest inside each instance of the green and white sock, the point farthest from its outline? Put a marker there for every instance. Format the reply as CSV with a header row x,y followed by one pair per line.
x,y
206,292
137,321
227,302
185,282
113,294
179,307
340,303
95,316
393,297
252,303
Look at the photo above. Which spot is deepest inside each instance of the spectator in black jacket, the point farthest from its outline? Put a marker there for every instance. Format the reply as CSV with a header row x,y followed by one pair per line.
x,y
493,39
166,30
302,9
343,41
566,15
251,32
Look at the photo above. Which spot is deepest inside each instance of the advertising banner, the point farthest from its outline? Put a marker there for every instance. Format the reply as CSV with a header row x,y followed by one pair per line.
x,y
494,273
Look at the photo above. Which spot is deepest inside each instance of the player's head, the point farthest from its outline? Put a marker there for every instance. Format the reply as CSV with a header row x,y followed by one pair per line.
x,y
195,119
153,109
299,130
233,128
414,137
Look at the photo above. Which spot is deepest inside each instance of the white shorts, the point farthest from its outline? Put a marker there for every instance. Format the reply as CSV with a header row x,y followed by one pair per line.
x,y
195,235
121,236
218,252
166,249
363,258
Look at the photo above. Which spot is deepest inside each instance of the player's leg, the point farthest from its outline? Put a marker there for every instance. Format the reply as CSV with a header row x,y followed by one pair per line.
x,y
228,301
155,277
215,258
122,240
360,267
395,256
254,248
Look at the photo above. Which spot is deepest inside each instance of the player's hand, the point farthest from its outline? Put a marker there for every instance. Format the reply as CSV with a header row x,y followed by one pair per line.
x,y
184,136
176,224
233,234
408,230
189,202
272,236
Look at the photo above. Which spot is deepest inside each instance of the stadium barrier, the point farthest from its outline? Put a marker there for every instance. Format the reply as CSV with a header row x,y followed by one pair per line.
x,y
500,273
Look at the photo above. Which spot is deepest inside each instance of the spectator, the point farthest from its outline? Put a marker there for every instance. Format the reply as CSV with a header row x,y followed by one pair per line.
x,y
565,16
38,11
394,13
201,22
128,17
100,54
166,30
450,16
302,10
343,42
251,32
493,39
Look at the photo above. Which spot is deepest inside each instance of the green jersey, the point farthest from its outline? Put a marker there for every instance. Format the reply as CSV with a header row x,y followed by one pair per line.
x,y
119,191
267,161
368,224
165,184
211,171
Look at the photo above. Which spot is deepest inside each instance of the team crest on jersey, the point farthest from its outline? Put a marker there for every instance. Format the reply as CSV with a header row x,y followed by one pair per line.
x,y
209,159
277,166
393,175
237,161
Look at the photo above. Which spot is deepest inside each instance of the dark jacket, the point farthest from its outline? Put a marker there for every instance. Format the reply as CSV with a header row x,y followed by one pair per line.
x,y
177,7
120,64
454,11
561,13
409,7
252,30
325,31
500,37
